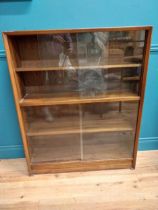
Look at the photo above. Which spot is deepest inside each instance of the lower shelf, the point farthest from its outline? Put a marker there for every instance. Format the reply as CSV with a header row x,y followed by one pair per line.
x,y
113,121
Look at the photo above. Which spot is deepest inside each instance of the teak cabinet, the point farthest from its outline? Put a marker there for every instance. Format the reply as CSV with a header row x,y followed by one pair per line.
x,y
79,95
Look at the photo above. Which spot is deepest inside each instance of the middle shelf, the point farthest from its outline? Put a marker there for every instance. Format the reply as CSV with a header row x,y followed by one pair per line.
x,y
49,65
73,98
117,122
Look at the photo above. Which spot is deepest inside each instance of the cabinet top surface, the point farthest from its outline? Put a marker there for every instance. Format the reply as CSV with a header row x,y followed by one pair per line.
x,y
77,30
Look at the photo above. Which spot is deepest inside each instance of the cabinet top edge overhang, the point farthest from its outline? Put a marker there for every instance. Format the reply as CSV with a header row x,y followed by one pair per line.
x,y
77,30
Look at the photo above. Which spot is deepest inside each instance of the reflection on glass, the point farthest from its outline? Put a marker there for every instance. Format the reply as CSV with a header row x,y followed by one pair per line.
x,y
91,64
79,50
90,48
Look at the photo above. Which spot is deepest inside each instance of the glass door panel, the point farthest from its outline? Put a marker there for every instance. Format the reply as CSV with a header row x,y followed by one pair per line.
x,y
53,132
80,132
71,51
107,145
108,130
90,64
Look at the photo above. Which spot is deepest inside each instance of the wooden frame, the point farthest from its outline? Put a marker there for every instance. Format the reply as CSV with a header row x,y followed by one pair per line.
x,y
21,102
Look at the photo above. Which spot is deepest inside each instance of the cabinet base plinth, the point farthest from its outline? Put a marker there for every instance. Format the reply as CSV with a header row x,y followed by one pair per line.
x,y
49,167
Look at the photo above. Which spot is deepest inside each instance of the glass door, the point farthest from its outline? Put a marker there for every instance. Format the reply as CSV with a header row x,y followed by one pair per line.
x,y
85,87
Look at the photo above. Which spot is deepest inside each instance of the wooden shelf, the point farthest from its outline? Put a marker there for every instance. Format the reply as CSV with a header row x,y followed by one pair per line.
x,y
40,100
48,66
111,122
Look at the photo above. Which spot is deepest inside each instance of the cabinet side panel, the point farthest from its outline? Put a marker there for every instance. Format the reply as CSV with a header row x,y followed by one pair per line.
x,y
16,93
142,91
